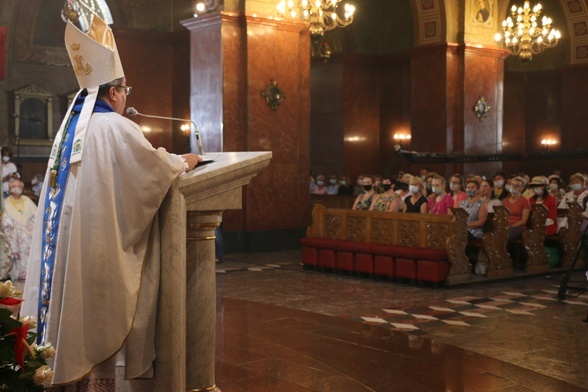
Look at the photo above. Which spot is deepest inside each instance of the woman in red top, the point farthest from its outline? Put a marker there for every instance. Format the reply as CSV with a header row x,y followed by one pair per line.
x,y
518,207
541,196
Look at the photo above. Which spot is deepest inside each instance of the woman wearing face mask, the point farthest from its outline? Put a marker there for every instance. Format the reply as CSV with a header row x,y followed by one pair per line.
x,y
320,188
416,202
556,187
345,187
541,196
9,170
499,182
577,194
364,201
439,201
18,222
519,209
456,187
333,187
388,200
402,186
477,216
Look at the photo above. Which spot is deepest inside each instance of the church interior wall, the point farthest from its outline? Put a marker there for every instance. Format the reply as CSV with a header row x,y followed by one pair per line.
x,y
338,117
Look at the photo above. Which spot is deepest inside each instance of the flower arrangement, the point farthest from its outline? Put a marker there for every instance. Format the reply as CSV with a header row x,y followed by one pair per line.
x,y
23,365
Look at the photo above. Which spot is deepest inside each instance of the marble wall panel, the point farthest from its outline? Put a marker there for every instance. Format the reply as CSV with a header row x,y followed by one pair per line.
x,y
326,119
207,79
146,59
574,115
277,196
361,135
234,84
181,85
428,99
395,116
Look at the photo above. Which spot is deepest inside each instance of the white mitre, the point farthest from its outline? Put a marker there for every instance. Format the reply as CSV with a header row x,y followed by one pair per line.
x,y
94,56
95,60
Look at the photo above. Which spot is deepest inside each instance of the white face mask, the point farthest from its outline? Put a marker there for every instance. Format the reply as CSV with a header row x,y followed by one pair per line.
x,y
5,159
33,181
537,191
499,183
553,187
413,188
16,191
576,187
454,187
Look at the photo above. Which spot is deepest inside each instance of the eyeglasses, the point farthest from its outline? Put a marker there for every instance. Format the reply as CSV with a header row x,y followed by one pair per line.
x,y
128,89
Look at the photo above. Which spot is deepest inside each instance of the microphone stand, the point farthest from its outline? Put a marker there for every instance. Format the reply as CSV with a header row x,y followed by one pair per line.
x,y
196,131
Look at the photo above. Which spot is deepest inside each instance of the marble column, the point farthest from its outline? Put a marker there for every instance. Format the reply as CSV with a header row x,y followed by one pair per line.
x,y
201,299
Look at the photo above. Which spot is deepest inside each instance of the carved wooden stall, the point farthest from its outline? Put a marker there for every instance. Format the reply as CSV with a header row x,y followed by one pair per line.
x,y
419,231
569,237
534,241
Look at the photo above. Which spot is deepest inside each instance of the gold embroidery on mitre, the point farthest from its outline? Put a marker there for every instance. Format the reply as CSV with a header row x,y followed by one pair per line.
x,y
79,68
74,46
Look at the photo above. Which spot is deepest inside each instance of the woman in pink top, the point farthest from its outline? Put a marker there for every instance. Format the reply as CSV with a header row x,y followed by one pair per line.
x,y
439,201
519,209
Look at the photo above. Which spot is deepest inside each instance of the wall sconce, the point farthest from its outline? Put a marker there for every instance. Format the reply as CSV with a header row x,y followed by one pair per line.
x,y
400,137
545,143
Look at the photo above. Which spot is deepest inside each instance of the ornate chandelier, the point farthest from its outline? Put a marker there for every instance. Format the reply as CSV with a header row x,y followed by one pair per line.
x,y
321,16
522,34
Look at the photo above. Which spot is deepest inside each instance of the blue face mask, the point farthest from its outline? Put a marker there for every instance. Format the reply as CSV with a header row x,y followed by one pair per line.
x,y
320,183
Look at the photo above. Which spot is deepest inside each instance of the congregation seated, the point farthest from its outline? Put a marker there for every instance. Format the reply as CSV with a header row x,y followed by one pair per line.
x,y
345,187
320,188
333,187
499,181
556,187
416,202
388,200
402,186
440,201
577,194
364,200
519,209
456,184
541,196
489,200
472,205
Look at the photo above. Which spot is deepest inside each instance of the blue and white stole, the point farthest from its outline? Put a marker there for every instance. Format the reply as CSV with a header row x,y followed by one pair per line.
x,y
52,212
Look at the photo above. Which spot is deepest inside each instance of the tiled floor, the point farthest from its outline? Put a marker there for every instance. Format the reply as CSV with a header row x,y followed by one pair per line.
x,y
280,328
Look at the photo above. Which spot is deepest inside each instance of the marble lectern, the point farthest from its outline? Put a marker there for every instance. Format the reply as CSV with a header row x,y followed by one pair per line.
x,y
189,215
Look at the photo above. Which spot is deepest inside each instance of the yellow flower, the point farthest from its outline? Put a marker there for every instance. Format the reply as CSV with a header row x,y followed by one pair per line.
x,y
7,289
43,375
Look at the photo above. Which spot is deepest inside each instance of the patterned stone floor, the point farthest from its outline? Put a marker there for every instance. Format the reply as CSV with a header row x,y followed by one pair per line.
x,y
525,338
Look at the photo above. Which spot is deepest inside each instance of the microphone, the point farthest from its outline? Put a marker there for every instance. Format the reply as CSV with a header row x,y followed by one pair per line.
x,y
131,111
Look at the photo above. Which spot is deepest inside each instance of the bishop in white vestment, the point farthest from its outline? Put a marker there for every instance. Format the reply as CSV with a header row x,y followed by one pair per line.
x,y
94,269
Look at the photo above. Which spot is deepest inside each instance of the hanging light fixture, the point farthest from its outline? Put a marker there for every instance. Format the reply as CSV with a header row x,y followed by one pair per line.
x,y
322,16
522,34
